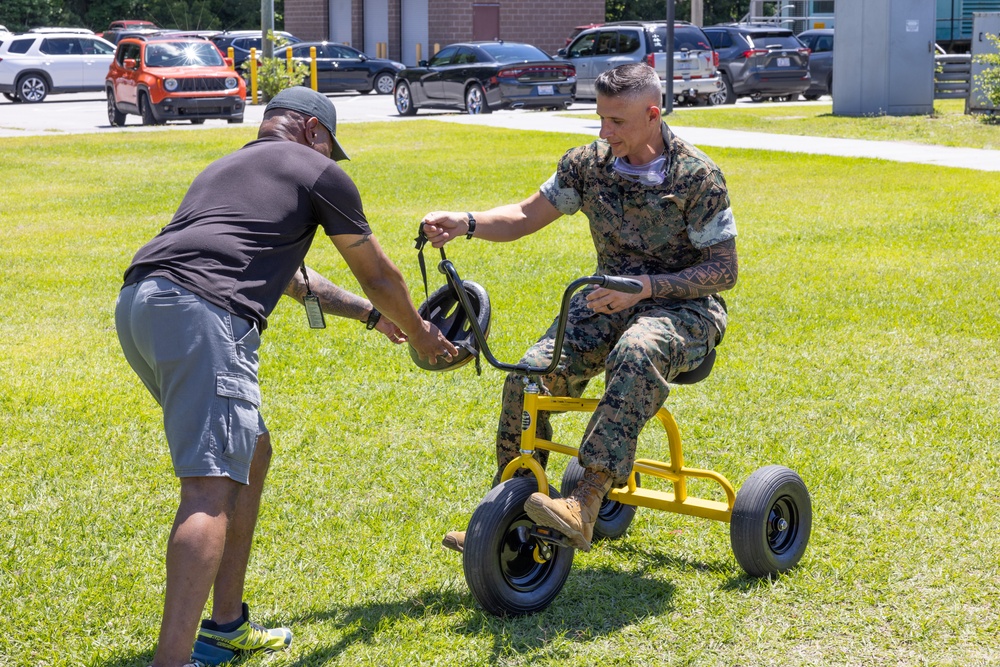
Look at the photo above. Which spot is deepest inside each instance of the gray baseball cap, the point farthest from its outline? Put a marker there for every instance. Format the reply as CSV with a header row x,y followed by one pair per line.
x,y
308,101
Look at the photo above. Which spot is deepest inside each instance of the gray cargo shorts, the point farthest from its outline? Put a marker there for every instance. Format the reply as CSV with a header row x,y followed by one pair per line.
x,y
200,364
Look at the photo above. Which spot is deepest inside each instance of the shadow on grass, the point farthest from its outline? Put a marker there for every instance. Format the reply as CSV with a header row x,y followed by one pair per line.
x,y
594,602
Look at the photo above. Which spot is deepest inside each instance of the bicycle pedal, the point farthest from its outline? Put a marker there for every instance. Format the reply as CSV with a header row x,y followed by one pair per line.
x,y
550,536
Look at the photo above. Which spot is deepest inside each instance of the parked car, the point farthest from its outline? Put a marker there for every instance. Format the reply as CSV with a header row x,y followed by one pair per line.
x,y
34,65
244,40
481,77
164,78
340,67
820,43
599,49
759,61
116,28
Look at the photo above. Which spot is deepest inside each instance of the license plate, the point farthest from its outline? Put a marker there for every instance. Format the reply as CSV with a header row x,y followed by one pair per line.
x,y
784,62
545,90
684,65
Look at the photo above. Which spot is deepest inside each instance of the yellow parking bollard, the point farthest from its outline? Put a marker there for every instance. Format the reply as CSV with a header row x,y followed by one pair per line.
x,y
312,68
437,47
253,74
419,45
232,58
288,58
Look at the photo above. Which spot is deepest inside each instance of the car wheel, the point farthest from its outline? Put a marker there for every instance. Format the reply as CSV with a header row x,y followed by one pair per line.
x,y
475,100
235,121
32,88
404,100
363,92
384,82
811,97
13,98
197,121
146,110
115,117
757,97
726,95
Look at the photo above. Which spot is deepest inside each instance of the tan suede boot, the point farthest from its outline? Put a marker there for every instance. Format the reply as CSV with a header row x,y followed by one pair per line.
x,y
575,515
454,540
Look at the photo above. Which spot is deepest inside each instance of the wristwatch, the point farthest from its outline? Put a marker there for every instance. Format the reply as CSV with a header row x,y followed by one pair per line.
x,y
472,226
373,318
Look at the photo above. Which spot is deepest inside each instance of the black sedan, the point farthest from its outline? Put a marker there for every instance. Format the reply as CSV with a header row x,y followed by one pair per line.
x,y
340,67
480,77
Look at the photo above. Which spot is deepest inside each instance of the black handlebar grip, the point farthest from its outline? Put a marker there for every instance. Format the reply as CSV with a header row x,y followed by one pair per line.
x,y
627,285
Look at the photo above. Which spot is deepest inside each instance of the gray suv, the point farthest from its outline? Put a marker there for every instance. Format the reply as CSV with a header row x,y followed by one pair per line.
x,y
599,49
759,61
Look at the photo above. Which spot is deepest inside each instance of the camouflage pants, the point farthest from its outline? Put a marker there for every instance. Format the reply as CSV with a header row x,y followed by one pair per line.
x,y
640,350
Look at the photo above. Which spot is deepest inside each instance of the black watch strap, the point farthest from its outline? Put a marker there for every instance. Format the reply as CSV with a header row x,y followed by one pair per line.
x,y
472,226
373,318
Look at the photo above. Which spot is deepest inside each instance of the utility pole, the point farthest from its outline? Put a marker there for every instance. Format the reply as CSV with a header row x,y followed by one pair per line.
x,y
668,48
698,12
266,26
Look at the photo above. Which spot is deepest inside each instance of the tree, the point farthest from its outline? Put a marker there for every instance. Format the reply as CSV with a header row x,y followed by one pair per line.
x,y
715,11
20,15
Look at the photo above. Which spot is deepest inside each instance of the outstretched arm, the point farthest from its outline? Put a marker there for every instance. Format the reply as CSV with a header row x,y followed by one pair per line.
x,y
503,223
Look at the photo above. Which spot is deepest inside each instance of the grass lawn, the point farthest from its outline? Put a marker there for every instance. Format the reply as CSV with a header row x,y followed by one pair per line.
x,y
861,353
948,126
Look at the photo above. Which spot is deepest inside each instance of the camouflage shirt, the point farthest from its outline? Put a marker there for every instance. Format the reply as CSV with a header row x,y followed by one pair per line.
x,y
641,229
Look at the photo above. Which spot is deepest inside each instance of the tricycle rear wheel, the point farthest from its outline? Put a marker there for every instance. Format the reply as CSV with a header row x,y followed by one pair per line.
x,y
510,572
771,521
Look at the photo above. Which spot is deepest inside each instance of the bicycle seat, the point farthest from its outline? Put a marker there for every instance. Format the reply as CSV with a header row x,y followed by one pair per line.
x,y
696,374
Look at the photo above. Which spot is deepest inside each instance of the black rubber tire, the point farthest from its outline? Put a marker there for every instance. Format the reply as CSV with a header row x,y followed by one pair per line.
x,y
614,518
235,121
197,121
363,92
404,100
499,560
13,98
115,117
146,110
384,82
32,88
771,522
757,98
810,97
475,100
726,95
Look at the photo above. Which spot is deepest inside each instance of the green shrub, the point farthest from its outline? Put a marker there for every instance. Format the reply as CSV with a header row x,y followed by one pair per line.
x,y
989,79
273,74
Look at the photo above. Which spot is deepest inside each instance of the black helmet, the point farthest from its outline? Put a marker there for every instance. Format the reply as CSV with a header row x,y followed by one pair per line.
x,y
443,310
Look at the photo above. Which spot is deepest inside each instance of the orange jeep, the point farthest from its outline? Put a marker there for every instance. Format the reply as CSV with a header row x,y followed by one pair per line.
x,y
163,78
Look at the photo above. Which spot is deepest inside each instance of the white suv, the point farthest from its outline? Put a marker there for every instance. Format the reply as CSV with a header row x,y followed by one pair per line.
x,y
34,65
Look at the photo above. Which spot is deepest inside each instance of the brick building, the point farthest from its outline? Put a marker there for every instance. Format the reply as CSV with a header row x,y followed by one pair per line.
x,y
405,28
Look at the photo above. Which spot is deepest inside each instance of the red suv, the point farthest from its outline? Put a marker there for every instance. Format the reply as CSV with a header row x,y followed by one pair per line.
x,y
161,79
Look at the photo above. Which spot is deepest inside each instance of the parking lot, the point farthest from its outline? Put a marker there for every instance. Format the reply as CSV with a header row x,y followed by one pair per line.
x,y
88,112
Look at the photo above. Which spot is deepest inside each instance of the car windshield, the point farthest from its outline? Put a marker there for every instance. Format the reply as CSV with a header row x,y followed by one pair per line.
x,y
183,54
685,39
509,53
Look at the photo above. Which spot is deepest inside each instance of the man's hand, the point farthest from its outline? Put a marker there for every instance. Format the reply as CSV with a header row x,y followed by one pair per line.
x,y
391,331
430,344
443,226
604,300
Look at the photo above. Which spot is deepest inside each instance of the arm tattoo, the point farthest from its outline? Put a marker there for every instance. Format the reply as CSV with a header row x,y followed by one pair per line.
x,y
363,240
717,271
333,300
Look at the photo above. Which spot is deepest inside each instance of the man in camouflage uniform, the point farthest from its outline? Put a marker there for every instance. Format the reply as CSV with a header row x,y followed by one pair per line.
x,y
659,212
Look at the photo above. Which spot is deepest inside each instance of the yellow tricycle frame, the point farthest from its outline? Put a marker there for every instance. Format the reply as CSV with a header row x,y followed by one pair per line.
x,y
675,472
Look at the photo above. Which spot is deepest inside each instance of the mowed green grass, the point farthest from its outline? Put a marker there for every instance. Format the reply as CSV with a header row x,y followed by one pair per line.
x,y
861,353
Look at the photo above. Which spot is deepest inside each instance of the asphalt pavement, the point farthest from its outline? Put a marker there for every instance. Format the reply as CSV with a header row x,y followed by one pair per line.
x,y
87,113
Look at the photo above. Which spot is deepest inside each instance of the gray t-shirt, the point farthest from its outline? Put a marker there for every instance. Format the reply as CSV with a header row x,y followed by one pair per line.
x,y
246,224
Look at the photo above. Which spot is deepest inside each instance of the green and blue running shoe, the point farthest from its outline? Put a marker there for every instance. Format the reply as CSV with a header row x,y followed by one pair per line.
x,y
218,644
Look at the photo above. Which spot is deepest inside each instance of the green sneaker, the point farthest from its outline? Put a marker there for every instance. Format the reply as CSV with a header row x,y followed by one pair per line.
x,y
218,644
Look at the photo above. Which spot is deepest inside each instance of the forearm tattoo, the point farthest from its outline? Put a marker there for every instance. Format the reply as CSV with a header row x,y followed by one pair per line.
x,y
717,271
333,300
360,242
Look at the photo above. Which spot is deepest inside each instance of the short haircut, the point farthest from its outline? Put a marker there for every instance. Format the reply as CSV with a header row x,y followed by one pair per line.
x,y
633,81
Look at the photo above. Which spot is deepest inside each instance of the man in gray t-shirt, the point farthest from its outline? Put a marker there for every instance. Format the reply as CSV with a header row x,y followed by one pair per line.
x,y
189,317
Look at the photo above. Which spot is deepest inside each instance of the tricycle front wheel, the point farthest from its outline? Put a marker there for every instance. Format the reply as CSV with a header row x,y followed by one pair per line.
x,y
771,521
614,517
509,571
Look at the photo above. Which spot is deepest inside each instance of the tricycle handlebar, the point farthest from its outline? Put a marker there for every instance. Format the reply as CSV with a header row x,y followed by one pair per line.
x,y
617,283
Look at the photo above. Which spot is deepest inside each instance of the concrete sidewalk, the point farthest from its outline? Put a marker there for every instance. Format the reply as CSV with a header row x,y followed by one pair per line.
x,y
895,151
